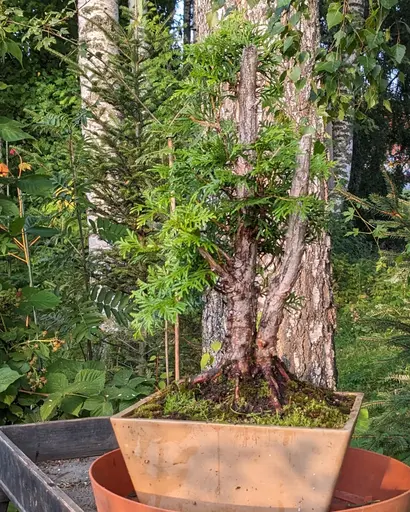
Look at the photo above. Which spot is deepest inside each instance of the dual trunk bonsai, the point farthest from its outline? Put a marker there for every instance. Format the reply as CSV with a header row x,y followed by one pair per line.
x,y
248,144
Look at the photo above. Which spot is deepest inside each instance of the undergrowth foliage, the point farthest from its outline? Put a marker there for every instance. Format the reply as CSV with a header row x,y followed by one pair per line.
x,y
382,311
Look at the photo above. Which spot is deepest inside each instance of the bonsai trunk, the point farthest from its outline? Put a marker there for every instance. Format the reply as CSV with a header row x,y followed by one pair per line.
x,y
242,292
245,349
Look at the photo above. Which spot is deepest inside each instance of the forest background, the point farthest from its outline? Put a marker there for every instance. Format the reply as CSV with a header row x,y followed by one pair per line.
x,y
68,343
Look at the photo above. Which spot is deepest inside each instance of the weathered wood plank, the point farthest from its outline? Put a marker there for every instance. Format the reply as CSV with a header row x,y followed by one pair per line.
x,y
66,439
28,487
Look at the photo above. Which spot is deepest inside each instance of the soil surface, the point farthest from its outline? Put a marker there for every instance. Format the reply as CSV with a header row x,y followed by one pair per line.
x,y
223,400
71,476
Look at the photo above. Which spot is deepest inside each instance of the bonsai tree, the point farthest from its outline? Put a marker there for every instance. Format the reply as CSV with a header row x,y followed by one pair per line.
x,y
246,133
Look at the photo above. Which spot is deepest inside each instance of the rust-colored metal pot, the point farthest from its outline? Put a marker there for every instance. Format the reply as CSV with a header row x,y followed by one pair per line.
x,y
193,466
365,477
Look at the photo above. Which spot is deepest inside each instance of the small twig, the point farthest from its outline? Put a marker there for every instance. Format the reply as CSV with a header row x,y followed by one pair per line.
x,y
18,257
33,393
216,267
211,374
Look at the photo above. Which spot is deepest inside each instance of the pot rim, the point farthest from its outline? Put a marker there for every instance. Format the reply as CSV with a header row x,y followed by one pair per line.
x,y
348,426
365,508
104,490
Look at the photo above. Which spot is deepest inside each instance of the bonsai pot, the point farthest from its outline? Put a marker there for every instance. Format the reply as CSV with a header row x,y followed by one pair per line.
x,y
364,477
207,467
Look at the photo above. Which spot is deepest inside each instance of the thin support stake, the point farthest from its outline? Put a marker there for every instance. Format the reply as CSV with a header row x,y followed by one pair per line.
x,y
176,327
166,352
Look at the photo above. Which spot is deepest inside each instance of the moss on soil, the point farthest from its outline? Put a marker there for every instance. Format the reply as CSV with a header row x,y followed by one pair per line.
x,y
306,405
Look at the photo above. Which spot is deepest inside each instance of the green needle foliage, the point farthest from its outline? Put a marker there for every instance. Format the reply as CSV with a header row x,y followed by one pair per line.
x,y
185,245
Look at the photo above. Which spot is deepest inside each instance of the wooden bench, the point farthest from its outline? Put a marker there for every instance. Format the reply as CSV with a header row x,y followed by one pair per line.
x,y
22,446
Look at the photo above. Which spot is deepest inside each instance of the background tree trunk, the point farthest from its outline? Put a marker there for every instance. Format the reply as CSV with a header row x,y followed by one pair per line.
x,y
95,23
343,130
306,339
188,4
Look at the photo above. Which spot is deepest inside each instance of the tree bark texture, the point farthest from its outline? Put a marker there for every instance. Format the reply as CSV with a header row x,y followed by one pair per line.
x,y
188,4
342,130
241,286
306,335
95,22
306,338
214,317
215,312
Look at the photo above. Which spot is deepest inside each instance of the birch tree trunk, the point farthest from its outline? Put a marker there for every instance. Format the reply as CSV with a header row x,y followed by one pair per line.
x,y
307,334
188,21
95,23
342,130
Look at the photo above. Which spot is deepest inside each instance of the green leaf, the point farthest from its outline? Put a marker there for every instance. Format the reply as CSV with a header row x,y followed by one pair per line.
x,y
216,346
42,231
318,148
14,50
28,400
276,28
16,410
295,73
333,18
3,86
88,383
8,396
8,208
16,226
105,409
388,4
399,51
7,377
39,299
308,130
51,403
36,185
212,18
288,43
122,377
42,350
205,360
93,403
295,18
72,405
11,131
56,383
387,105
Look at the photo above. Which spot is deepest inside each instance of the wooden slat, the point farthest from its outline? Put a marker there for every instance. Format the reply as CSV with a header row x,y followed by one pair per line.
x,y
28,487
68,439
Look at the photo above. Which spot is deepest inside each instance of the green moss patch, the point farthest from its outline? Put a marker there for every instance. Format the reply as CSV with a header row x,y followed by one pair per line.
x,y
306,405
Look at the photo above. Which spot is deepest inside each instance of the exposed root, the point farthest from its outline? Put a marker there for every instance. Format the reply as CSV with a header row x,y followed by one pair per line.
x,y
273,386
236,389
272,370
281,369
207,376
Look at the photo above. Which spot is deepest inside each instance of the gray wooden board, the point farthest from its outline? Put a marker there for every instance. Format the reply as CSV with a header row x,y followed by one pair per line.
x,y
26,485
64,439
